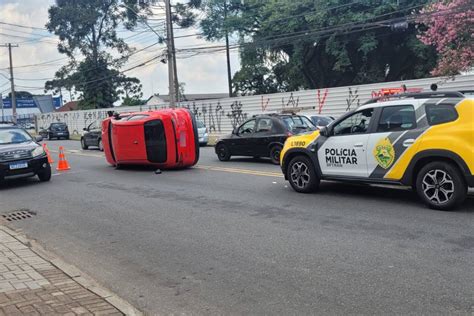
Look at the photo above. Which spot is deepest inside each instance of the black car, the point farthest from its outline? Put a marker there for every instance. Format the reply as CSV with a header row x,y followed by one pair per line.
x,y
21,156
92,137
56,130
262,136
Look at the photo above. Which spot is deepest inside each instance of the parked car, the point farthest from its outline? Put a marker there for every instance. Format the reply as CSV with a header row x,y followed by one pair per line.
x,y
163,138
321,121
56,130
262,136
422,140
92,136
203,133
21,156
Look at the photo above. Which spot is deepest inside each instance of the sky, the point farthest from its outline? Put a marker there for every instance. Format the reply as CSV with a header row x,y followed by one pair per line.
x,y
205,73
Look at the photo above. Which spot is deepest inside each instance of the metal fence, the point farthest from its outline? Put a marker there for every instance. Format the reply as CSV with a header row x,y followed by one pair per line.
x,y
221,116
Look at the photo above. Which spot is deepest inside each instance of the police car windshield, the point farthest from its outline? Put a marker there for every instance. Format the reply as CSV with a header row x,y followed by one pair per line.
x,y
14,136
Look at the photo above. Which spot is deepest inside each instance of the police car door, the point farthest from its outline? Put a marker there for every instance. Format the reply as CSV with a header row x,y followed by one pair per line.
x,y
344,151
396,131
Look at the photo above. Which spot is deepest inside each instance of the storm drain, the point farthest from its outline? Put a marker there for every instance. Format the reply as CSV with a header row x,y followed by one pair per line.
x,y
18,215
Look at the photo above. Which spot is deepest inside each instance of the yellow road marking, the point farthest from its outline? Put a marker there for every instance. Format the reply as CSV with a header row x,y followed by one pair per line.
x,y
241,171
202,167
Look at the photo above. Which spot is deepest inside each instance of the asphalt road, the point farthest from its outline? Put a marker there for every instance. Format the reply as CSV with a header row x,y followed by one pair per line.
x,y
233,238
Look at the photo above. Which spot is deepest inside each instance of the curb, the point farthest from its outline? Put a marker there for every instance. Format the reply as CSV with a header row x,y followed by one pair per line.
x,y
74,273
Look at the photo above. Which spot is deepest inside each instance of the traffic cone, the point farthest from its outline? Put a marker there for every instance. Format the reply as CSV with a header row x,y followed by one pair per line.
x,y
46,150
63,165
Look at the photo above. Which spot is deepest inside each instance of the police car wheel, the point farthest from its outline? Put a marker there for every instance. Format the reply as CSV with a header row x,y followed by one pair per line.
x,y
440,186
302,175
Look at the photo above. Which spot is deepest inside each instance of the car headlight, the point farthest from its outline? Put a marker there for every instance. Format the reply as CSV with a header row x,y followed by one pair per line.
x,y
37,152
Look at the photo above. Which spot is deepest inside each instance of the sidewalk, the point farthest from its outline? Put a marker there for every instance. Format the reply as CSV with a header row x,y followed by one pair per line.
x,y
34,282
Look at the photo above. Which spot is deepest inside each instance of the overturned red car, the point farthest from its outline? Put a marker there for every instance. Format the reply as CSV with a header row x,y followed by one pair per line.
x,y
166,139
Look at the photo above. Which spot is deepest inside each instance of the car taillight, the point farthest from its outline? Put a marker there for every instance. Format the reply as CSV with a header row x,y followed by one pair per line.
x,y
289,134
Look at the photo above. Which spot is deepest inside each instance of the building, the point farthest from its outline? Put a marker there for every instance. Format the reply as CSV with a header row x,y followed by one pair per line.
x,y
70,106
164,99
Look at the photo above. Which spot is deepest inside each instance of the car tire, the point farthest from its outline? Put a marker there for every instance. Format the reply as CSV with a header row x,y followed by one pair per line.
x,y
302,175
83,144
101,145
275,152
223,152
45,174
440,186
49,137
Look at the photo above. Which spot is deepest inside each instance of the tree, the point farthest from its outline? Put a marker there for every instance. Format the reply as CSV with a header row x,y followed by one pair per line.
x,y
449,27
89,27
307,44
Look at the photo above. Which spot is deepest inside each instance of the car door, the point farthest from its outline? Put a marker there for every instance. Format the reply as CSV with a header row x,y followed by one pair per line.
x,y
262,137
240,144
395,132
344,151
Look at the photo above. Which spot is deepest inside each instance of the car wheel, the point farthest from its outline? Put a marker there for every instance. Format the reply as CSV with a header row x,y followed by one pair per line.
x,y
223,152
45,174
83,144
440,186
49,137
302,175
275,154
101,145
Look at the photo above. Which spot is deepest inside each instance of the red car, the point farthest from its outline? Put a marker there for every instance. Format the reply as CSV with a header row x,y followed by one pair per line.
x,y
164,138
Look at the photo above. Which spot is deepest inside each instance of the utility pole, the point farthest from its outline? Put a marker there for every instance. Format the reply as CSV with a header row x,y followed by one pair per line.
x,y
229,72
171,67
175,71
13,98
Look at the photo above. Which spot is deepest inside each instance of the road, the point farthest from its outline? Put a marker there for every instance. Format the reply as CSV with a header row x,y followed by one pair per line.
x,y
233,238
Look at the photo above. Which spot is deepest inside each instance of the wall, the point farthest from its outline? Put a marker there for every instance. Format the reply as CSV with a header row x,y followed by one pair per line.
x,y
221,116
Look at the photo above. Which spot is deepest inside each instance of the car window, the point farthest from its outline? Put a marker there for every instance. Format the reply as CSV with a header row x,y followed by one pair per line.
x,y
397,118
247,128
357,123
137,117
321,120
298,123
14,136
58,126
264,125
440,113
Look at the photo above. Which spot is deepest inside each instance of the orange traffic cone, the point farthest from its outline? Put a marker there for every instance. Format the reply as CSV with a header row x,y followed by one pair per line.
x,y
46,150
63,165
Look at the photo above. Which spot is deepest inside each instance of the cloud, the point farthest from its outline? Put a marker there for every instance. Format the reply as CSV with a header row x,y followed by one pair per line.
x,y
204,73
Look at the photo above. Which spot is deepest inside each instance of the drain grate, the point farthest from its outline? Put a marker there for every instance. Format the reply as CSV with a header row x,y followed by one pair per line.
x,y
18,215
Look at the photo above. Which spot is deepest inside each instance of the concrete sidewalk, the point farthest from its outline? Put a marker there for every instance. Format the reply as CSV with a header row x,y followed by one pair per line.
x,y
35,282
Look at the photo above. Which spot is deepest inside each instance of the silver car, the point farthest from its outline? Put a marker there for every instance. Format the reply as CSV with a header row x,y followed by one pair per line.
x,y
203,133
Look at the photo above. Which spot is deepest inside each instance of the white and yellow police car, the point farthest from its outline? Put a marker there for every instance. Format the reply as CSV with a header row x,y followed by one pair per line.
x,y
423,140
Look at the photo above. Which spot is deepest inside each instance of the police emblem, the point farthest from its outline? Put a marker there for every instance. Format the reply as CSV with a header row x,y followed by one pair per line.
x,y
384,153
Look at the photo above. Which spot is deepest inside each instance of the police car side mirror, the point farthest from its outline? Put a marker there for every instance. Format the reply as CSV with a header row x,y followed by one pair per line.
x,y
324,131
38,139
235,131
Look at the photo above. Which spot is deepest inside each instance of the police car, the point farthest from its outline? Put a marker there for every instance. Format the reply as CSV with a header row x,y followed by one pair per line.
x,y
423,140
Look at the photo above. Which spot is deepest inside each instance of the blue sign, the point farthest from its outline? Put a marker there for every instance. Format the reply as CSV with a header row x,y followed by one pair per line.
x,y
20,104
57,102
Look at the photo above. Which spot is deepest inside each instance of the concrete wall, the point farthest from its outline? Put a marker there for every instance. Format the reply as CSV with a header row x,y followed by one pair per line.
x,y
221,116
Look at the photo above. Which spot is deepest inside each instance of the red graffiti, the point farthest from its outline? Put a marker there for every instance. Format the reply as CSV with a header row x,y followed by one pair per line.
x,y
264,104
322,101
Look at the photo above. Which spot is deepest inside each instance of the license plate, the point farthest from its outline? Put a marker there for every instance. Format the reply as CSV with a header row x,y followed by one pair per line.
x,y
18,165
60,133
